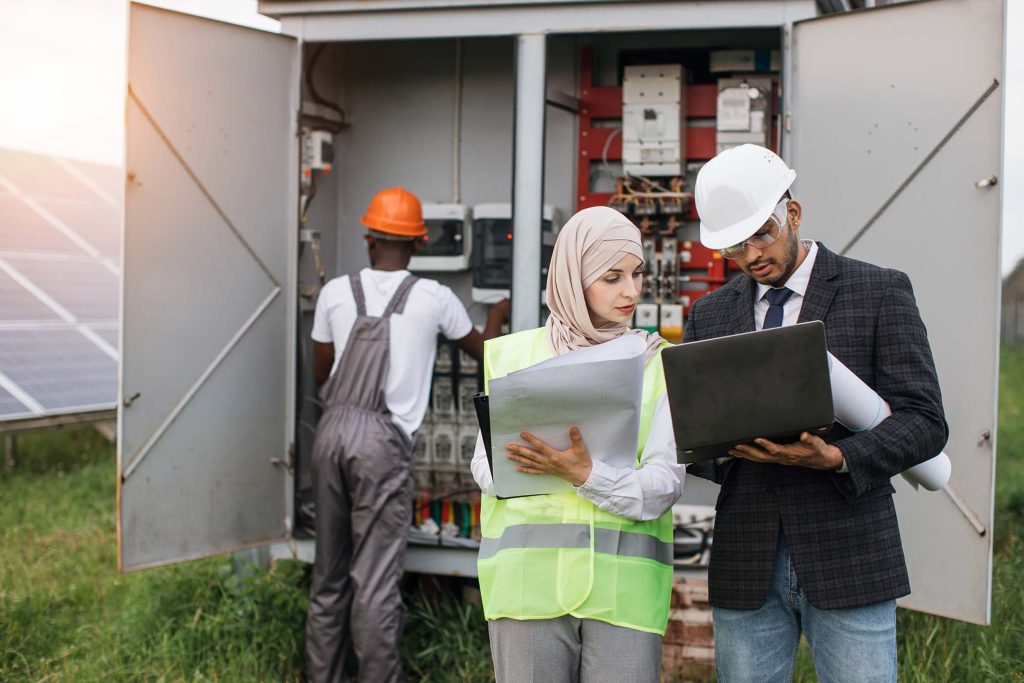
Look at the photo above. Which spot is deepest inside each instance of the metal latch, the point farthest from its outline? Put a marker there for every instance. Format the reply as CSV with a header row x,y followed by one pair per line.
x,y
287,461
987,181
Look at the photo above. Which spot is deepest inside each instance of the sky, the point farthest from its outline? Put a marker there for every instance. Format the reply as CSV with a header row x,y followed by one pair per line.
x,y
62,75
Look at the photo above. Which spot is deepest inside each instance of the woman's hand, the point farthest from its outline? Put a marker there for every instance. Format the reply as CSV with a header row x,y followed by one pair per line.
x,y
573,464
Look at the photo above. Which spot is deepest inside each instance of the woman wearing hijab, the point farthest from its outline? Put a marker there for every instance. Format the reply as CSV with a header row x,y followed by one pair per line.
x,y
576,586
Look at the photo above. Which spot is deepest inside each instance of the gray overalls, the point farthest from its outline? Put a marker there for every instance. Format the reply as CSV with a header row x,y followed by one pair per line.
x,y
363,486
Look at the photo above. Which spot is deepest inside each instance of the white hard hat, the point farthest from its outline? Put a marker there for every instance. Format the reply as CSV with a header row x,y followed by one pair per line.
x,y
737,191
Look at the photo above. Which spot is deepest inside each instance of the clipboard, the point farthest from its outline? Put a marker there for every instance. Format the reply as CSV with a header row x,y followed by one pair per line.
x,y
483,415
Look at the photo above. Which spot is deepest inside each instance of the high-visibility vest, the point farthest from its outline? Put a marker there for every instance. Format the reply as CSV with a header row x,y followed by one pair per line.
x,y
543,557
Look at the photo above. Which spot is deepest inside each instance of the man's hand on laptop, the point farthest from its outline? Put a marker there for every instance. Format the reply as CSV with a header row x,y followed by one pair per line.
x,y
810,451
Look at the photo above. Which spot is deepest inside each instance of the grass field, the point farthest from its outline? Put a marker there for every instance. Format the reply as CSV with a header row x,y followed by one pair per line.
x,y
67,615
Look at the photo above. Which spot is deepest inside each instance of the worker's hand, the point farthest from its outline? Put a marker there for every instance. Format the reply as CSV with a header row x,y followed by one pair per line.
x,y
499,312
573,464
810,451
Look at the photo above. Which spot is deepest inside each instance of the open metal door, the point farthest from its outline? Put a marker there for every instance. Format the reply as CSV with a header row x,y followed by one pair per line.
x,y
207,295
896,137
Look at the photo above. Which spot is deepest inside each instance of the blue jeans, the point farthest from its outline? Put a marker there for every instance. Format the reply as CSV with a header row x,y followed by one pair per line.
x,y
854,644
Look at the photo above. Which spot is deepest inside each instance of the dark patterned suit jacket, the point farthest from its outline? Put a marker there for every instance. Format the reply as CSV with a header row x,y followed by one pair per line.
x,y
841,528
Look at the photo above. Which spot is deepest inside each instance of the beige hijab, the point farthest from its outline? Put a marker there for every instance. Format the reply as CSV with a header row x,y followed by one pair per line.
x,y
593,241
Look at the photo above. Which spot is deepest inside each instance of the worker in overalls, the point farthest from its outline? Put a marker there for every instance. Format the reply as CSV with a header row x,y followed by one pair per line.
x,y
375,338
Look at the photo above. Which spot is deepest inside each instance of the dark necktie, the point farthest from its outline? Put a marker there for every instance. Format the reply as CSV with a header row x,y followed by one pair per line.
x,y
776,300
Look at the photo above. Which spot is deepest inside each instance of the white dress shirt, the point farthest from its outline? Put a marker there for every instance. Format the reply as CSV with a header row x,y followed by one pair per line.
x,y
797,282
642,493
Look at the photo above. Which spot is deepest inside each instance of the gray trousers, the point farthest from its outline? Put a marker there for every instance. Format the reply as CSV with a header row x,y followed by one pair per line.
x,y
363,505
571,650
362,474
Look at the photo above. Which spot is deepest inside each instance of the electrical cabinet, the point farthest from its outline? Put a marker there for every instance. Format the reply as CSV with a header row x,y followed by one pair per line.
x,y
220,282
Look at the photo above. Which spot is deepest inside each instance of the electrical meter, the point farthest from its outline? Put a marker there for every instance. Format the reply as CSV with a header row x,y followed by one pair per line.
x,y
449,239
492,253
744,112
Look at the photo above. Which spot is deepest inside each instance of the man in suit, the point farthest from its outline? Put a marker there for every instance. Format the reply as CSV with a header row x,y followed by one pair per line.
x,y
806,536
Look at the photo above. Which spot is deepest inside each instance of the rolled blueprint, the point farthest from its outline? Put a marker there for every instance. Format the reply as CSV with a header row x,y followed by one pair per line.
x,y
859,408
932,474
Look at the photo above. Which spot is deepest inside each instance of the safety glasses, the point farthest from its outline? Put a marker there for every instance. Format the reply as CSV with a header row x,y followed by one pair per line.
x,y
763,238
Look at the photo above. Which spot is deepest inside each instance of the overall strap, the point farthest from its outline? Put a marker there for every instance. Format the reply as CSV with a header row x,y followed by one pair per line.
x,y
397,303
356,282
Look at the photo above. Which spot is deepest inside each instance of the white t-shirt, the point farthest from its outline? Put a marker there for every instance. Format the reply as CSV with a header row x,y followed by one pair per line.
x,y
430,309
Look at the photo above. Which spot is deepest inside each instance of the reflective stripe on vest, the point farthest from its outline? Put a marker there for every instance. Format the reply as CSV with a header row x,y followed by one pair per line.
x,y
542,557
610,541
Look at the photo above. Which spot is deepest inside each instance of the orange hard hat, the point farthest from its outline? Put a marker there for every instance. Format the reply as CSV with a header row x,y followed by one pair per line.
x,y
395,211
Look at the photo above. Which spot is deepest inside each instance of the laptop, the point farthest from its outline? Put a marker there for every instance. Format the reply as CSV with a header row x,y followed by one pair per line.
x,y
728,391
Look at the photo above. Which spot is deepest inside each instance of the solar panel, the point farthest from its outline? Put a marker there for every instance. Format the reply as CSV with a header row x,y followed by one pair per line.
x,y
60,247
18,304
11,407
85,288
39,176
22,228
90,220
59,368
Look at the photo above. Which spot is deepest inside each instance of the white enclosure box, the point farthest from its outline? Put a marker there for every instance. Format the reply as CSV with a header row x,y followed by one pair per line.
x,y
646,317
467,445
467,390
317,151
445,455
423,453
449,239
215,388
492,260
744,112
444,404
652,120
740,61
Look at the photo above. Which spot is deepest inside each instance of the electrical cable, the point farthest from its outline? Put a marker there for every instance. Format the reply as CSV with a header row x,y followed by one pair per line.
x,y
308,199
652,183
311,86
604,152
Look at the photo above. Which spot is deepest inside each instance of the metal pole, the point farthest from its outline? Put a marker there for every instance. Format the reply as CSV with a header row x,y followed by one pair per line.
x,y
10,452
528,179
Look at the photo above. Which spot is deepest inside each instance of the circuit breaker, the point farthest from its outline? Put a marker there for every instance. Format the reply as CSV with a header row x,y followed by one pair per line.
x,y
652,120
